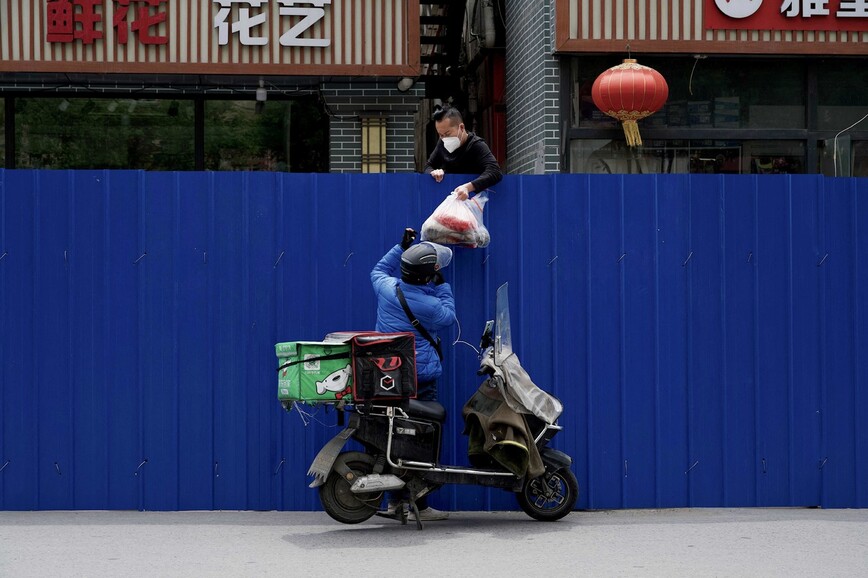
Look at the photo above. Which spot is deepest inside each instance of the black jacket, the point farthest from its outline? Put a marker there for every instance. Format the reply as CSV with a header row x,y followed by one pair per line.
x,y
472,158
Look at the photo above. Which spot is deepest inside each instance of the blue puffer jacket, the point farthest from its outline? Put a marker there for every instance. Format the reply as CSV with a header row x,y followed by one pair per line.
x,y
433,306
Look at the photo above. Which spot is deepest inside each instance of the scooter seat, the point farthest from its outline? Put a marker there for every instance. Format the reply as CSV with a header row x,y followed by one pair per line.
x,y
426,409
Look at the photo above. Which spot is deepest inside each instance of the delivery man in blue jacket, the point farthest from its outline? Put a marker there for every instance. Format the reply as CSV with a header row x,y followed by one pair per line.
x,y
432,304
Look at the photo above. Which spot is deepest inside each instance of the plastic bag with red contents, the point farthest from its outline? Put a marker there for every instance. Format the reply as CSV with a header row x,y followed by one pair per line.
x,y
457,222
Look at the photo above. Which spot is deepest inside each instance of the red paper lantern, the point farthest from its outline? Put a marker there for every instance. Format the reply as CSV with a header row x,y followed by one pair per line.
x,y
630,92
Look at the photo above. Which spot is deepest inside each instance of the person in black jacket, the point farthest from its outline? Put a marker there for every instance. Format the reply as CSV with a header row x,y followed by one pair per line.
x,y
461,152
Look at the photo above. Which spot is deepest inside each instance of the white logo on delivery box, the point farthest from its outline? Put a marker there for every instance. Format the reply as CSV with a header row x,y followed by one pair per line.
x,y
387,383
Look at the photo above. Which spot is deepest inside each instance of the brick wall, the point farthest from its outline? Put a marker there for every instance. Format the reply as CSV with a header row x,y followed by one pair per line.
x,y
533,133
347,101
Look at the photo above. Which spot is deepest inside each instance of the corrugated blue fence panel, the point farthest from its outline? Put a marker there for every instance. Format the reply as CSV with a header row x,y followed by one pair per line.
x,y
706,333
672,250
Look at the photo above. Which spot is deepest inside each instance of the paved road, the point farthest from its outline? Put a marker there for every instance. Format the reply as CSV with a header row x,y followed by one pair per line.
x,y
686,542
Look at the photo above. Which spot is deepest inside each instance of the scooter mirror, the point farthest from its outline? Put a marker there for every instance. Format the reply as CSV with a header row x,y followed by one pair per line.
x,y
487,335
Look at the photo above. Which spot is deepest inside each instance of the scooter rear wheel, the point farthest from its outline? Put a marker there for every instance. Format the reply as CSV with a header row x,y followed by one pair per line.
x,y
337,499
551,496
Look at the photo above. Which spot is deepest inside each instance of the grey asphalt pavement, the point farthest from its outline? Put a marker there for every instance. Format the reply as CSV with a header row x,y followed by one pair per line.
x,y
678,542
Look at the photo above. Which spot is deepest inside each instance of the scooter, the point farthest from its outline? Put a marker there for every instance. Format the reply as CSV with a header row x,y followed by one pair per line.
x,y
402,439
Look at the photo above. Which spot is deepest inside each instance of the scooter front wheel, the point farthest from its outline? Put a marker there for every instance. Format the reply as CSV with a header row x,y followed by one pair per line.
x,y
551,496
335,495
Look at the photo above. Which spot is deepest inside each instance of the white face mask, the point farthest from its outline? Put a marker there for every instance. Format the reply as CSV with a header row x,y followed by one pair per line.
x,y
451,143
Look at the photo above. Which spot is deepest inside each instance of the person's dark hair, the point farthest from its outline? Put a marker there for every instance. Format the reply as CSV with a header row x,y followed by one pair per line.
x,y
447,113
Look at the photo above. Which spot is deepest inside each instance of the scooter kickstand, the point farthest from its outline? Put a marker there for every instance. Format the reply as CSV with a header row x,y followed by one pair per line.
x,y
415,510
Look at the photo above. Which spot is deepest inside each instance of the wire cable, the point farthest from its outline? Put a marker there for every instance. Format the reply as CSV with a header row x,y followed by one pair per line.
x,y
458,339
697,58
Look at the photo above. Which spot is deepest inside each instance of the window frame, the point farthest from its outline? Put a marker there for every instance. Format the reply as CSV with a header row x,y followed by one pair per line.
x,y
810,135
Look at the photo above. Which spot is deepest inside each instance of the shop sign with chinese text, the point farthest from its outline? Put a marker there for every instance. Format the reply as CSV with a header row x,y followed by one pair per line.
x,y
85,20
343,37
786,14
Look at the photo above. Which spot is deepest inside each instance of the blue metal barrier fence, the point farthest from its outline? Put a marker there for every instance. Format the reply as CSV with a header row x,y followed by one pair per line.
x,y
705,333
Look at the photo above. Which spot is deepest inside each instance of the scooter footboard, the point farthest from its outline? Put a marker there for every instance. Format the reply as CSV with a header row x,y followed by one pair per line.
x,y
449,475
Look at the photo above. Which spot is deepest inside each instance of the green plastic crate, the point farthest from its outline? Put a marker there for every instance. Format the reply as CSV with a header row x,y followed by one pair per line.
x,y
310,378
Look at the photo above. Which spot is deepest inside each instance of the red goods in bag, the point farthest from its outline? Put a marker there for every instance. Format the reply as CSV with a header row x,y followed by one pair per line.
x,y
457,222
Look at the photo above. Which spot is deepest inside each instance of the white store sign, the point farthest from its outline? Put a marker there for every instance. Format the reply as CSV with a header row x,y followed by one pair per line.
x,y
250,21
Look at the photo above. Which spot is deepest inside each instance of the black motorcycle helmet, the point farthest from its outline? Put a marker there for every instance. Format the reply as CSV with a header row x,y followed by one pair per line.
x,y
418,264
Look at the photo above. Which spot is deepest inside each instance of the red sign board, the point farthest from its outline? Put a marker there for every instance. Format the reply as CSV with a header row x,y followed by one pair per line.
x,y
786,14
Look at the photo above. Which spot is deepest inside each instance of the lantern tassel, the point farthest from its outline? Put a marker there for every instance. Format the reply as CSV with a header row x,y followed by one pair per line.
x,y
631,131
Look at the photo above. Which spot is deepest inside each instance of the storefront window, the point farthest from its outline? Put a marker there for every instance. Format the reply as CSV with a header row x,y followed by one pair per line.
x,y
842,95
373,144
774,157
282,135
699,156
706,92
103,133
843,157
834,156
860,159
159,134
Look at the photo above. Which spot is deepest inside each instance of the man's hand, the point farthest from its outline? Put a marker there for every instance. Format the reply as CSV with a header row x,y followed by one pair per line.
x,y
463,191
438,278
408,238
438,174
